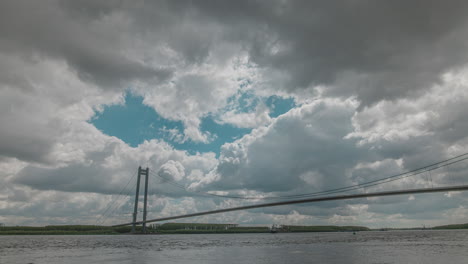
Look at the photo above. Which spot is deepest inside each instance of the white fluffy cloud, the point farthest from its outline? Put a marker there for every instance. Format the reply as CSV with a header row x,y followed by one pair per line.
x,y
197,92
306,140
259,117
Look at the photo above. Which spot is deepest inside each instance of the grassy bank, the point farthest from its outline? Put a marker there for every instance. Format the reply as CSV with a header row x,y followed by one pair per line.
x,y
458,226
63,230
183,228
228,231
325,228
167,228
197,228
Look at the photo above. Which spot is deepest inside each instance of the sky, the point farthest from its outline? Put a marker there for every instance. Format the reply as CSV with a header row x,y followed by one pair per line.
x,y
237,98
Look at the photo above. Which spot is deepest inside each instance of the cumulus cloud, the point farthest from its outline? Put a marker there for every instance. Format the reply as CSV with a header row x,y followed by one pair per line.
x,y
271,159
322,151
380,88
39,102
259,117
426,128
172,170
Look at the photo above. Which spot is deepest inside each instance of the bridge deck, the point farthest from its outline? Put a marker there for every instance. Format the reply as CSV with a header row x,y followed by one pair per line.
x,y
310,200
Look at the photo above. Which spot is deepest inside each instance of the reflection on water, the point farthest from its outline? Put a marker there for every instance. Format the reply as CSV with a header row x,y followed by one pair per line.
x,y
291,248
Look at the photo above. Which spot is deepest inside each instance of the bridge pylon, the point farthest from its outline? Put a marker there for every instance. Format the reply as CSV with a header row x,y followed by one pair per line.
x,y
144,172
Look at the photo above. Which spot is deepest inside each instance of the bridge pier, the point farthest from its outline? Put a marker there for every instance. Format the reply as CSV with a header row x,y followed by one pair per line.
x,y
145,202
137,194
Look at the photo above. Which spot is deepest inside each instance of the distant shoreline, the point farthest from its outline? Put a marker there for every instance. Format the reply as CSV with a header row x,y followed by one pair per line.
x,y
195,228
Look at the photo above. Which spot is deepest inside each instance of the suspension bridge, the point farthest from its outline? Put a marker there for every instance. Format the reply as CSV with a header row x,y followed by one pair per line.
x,y
315,197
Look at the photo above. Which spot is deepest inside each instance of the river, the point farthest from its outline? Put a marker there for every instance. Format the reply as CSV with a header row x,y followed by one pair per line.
x,y
363,247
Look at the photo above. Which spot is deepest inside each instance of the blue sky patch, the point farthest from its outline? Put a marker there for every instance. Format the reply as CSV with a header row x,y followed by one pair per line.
x,y
247,101
279,105
222,133
135,122
243,101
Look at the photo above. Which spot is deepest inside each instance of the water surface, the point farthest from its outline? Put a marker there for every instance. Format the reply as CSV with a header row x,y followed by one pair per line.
x,y
344,247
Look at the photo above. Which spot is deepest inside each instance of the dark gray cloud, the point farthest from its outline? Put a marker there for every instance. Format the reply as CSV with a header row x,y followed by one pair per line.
x,y
94,48
89,8
101,174
375,49
23,135
77,177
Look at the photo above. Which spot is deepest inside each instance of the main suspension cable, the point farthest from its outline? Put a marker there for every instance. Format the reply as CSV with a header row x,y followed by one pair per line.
x,y
392,178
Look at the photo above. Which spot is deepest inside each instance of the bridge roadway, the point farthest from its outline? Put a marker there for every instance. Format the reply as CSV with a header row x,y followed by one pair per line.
x,y
310,200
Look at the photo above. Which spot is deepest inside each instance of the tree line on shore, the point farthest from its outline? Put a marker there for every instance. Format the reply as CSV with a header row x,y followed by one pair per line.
x,y
184,228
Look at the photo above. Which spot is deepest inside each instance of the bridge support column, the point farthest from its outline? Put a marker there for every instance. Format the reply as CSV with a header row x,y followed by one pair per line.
x,y
145,199
137,194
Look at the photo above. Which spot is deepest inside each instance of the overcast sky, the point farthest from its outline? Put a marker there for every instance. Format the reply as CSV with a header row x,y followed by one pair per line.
x,y
240,98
